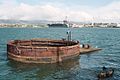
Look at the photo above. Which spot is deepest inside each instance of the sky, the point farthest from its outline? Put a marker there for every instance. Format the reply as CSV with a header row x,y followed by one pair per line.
x,y
57,10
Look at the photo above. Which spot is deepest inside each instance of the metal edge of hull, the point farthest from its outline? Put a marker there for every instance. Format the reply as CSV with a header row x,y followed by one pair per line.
x,y
65,57
53,59
26,59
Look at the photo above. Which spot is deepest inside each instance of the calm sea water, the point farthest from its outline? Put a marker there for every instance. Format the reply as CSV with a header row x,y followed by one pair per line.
x,y
85,67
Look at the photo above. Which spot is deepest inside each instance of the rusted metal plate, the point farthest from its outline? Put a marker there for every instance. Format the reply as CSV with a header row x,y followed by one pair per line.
x,y
42,50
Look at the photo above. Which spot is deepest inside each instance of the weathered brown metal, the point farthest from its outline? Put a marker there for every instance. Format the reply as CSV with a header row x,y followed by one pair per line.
x,y
42,50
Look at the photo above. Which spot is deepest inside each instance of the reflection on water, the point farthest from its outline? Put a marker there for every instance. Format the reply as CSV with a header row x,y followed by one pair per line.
x,y
67,70
63,70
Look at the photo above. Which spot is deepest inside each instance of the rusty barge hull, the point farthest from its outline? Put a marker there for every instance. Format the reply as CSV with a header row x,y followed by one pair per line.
x,y
42,50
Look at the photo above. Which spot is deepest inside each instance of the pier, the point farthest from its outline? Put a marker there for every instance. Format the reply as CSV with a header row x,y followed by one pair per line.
x,y
89,50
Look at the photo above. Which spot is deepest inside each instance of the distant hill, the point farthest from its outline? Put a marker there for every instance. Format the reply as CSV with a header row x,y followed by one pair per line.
x,y
11,21
8,21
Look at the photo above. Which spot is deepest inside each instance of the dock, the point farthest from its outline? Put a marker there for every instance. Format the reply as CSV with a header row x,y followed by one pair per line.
x,y
89,50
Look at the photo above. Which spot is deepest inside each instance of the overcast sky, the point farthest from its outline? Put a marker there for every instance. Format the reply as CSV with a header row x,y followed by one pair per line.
x,y
75,10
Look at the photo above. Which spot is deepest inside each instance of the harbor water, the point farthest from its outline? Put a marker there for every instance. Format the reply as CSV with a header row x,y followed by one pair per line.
x,y
83,67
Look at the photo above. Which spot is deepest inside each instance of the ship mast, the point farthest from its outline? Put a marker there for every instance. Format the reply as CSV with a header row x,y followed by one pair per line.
x,y
65,21
69,36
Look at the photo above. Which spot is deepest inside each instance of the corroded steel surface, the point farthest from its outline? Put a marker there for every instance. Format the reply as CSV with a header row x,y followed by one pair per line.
x,y
42,50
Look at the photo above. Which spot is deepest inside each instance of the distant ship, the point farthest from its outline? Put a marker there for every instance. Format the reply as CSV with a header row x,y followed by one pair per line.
x,y
59,25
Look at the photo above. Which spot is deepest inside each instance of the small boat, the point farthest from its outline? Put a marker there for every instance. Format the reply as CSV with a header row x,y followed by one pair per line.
x,y
105,73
